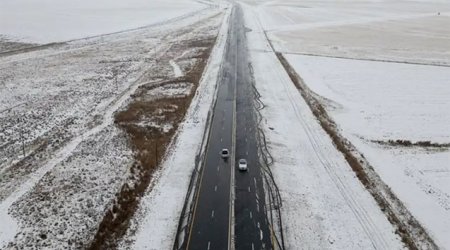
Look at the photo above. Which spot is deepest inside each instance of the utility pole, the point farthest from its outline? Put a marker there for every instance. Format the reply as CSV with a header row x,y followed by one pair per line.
x,y
115,75
21,136
156,152
23,145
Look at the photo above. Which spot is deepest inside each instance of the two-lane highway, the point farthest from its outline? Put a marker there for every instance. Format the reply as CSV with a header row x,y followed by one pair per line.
x,y
233,126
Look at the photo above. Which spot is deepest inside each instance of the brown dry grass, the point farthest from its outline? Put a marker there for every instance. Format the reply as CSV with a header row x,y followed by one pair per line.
x,y
149,143
408,143
407,227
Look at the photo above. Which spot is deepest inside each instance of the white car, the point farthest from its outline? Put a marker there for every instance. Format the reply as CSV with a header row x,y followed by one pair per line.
x,y
243,165
225,153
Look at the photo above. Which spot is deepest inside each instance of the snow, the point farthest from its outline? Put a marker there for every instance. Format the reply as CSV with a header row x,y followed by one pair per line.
x,y
410,31
70,199
324,204
166,127
176,69
172,89
157,219
8,227
373,101
47,21
67,95
379,100
62,99
380,68
60,156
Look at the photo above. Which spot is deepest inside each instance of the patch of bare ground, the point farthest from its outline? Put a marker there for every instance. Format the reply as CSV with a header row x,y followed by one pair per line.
x,y
407,227
408,143
150,121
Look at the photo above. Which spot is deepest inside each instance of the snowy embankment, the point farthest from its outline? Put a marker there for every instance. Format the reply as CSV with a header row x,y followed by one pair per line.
x,y
59,103
374,102
324,204
156,221
359,59
61,20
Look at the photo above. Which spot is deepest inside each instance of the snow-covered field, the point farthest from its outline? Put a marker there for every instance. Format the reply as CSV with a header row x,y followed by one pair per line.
x,y
324,204
62,158
60,20
375,102
405,31
381,70
380,100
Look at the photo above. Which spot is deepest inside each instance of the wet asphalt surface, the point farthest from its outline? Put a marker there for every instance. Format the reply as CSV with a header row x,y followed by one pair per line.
x,y
212,223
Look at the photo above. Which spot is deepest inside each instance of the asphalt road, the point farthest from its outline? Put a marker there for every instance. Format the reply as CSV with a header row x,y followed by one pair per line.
x,y
251,227
234,115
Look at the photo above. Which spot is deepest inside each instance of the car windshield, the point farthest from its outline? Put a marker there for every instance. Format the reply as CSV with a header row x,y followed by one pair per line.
x,y
242,161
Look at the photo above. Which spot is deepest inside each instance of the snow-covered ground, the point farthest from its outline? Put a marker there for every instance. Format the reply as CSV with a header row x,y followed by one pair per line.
x,y
381,70
155,224
60,20
379,101
59,102
411,31
324,204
